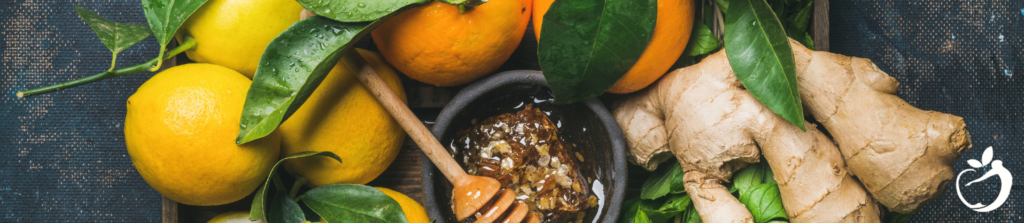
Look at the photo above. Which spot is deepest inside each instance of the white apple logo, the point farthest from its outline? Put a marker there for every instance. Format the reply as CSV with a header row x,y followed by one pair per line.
x,y
1006,181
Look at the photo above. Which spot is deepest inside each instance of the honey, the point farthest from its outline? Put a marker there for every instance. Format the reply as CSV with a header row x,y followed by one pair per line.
x,y
524,152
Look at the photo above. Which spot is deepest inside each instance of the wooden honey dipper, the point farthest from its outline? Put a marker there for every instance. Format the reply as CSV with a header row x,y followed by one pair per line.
x,y
471,193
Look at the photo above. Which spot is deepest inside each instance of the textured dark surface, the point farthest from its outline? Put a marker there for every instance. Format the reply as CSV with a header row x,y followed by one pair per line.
x,y
62,155
63,159
958,57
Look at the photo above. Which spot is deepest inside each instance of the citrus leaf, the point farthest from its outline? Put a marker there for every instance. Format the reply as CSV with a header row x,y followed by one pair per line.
x,y
668,178
358,10
291,67
353,203
701,42
764,202
166,16
283,209
258,210
760,55
587,45
115,35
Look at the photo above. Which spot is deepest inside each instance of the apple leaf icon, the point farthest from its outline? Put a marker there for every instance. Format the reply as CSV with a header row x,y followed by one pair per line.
x,y
986,157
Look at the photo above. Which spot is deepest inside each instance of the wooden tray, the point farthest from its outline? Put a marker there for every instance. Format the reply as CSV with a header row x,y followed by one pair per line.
x,y
404,175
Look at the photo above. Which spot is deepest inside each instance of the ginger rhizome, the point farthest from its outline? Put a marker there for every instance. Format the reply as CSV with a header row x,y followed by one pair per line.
x,y
703,116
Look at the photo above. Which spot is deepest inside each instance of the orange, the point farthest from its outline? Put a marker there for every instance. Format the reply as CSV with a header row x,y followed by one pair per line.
x,y
671,32
436,44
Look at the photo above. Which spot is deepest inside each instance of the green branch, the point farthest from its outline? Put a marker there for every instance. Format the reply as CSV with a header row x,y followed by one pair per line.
x,y
188,44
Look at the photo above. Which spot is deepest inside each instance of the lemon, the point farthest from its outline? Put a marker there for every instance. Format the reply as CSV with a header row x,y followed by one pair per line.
x,y
341,116
234,33
233,217
414,212
180,132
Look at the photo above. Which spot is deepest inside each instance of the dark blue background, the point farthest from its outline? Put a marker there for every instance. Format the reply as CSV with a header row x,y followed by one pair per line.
x,y
63,159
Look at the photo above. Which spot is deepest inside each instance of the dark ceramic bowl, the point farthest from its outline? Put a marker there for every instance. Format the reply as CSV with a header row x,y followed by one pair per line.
x,y
587,125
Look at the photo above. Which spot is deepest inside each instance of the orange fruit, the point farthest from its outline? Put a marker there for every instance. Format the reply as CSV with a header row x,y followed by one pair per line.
x,y
436,44
671,32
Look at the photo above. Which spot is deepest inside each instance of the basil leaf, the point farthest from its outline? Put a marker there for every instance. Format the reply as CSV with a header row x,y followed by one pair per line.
x,y
801,19
291,67
257,211
353,203
115,35
676,203
357,10
164,18
762,58
651,209
753,175
701,42
587,45
668,178
690,215
641,217
764,202
284,209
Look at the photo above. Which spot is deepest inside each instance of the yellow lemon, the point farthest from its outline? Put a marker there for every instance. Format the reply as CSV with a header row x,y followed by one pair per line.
x,y
180,131
414,212
233,217
234,33
341,116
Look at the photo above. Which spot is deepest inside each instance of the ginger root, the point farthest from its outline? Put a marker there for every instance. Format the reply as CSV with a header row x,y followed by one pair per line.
x,y
902,154
703,116
714,127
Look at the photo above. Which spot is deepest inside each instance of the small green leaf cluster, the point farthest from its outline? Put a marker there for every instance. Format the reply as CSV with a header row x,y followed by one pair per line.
x,y
663,197
334,203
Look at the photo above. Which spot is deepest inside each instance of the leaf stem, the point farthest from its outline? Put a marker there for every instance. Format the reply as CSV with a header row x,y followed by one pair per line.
x,y
188,44
278,183
113,61
299,181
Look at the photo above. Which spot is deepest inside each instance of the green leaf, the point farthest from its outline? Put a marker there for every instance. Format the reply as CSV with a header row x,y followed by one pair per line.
x,y
115,35
587,45
701,42
358,10
651,208
723,5
164,18
668,178
283,209
762,58
895,217
801,19
764,202
353,203
641,217
677,203
691,215
257,211
291,67
753,175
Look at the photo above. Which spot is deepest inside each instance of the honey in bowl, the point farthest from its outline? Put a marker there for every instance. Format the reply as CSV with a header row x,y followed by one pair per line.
x,y
583,136
523,151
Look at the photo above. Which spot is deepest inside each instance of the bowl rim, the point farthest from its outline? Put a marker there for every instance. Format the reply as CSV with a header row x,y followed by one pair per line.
x,y
481,87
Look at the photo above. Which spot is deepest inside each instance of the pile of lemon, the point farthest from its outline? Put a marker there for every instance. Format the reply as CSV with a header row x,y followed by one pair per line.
x,y
181,124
